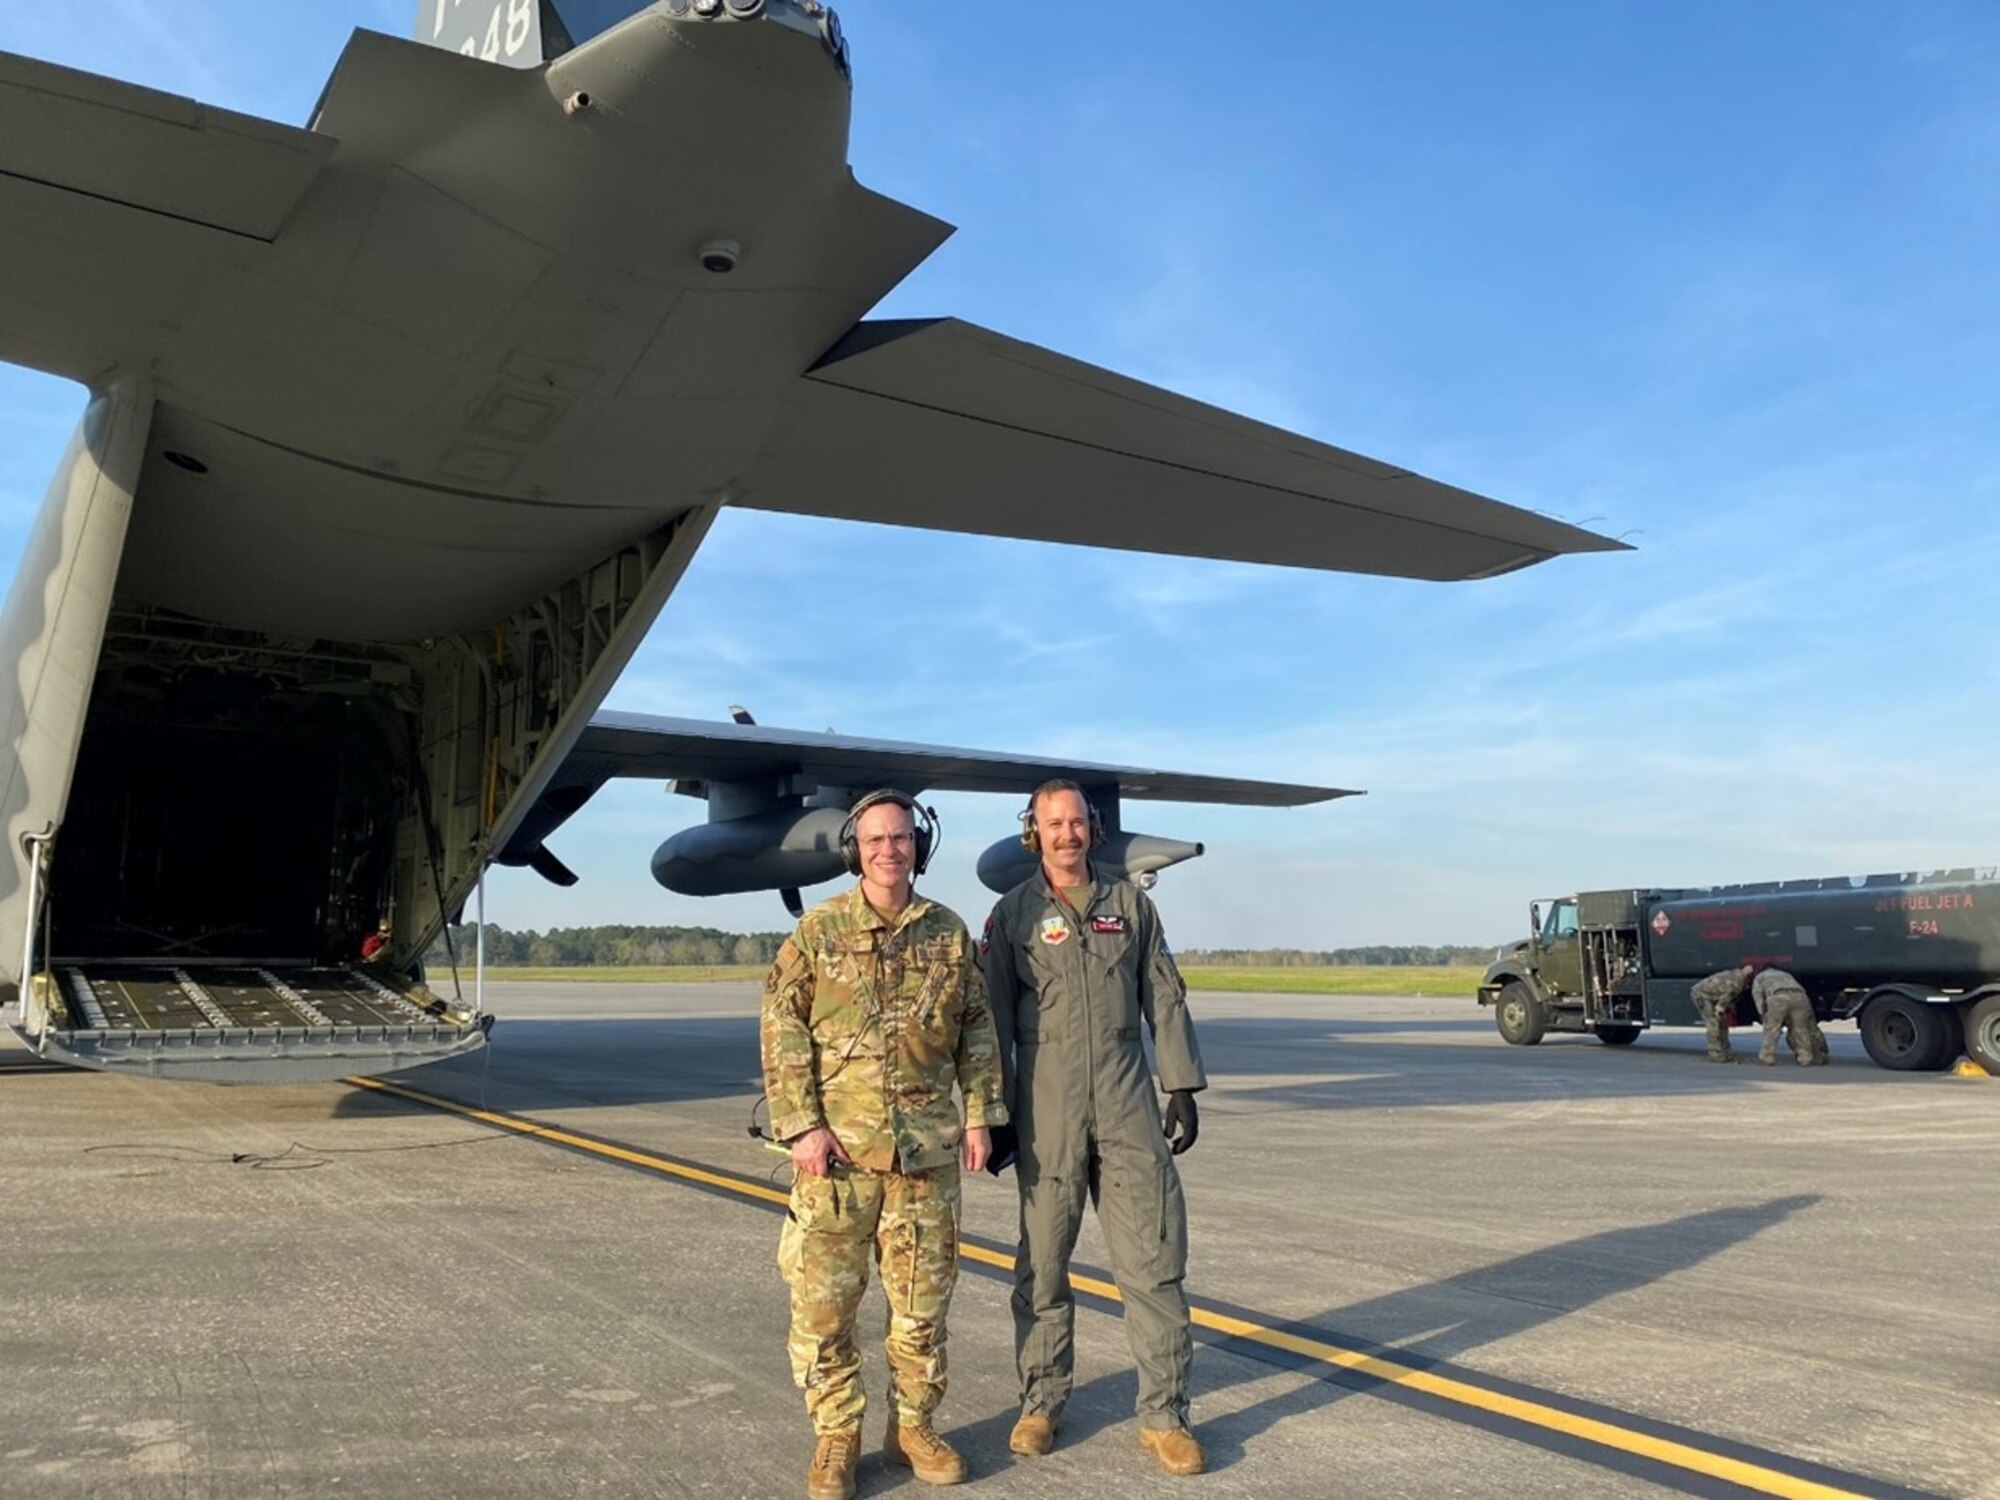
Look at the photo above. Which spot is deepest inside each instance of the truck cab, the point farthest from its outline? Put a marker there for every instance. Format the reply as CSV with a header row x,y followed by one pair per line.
x,y
1578,971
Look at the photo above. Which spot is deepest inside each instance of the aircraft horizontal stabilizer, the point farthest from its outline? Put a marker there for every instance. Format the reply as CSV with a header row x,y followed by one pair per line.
x,y
121,205
944,425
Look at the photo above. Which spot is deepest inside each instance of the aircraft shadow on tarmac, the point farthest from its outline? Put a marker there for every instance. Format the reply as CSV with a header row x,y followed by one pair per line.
x,y
1425,1327
1438,1070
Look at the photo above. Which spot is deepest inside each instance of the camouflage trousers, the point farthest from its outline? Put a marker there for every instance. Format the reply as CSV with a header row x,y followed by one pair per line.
x,y
1792,1015
907,1223
1717,1018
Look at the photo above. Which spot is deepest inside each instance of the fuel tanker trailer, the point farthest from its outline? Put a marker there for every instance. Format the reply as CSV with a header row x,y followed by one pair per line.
x,y
1913,959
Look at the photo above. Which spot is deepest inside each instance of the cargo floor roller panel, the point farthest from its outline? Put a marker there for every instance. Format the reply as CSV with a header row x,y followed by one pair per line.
x,y
242,1023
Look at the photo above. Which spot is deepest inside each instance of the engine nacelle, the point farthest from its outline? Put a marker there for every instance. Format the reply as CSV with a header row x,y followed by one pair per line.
x,y
784,849
1126,856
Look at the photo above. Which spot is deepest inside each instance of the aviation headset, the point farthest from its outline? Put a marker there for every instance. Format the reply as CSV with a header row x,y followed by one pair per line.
x,y
926,829
1031,836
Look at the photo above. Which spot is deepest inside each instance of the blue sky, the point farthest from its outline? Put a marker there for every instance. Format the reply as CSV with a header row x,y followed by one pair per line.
x,y
1716,278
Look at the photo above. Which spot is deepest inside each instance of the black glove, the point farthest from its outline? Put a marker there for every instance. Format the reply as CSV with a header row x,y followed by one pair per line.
x,y
1006,1146
1183,1121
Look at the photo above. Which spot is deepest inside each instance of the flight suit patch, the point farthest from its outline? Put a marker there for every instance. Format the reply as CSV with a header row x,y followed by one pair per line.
x,y
1114,923
1055,931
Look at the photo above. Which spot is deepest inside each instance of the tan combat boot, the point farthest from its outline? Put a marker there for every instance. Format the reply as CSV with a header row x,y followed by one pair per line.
x,y
1175,1448
831,1476
1034,1434
919,1449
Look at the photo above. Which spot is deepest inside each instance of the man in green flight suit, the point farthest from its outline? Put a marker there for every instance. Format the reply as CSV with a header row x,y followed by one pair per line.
x,y
1075,962
872,1012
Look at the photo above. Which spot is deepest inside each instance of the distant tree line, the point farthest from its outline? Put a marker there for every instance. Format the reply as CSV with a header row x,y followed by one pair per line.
x,y
624,947
1380,955
613,946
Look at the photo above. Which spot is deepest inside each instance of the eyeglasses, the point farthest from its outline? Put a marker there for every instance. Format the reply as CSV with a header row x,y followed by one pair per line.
x,y
874,842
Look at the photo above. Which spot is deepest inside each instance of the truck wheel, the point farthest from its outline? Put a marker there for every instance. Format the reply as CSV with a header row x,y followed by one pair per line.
x,y
1905,1035
1618,1036
1520,1014
1982,1033
1951,1046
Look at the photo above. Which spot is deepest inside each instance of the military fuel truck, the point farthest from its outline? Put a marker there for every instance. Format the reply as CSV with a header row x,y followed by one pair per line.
x,y
1914,960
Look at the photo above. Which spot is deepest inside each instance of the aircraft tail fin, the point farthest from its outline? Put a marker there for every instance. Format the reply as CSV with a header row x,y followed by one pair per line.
x,y
528,33
518,33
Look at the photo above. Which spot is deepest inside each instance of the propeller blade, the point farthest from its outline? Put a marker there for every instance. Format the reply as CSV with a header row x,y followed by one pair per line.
x,y
551,869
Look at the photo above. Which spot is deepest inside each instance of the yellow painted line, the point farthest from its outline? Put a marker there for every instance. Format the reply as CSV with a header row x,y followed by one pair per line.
x,y
1677,1455
579,1142
1534,1413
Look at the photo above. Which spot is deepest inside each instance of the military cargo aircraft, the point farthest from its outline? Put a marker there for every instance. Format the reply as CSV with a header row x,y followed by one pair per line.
x,y
402,427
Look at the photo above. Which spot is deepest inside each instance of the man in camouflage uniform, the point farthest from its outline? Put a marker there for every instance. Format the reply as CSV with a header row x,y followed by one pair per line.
x,y
1075,963
1715,997
872,1012
1783,1003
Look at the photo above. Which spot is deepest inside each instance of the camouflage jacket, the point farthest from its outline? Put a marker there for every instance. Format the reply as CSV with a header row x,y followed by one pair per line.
x,y
1720,989
869,1022
1775,984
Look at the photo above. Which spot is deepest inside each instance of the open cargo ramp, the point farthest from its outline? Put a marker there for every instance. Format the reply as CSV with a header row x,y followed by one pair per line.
x,y
241,1022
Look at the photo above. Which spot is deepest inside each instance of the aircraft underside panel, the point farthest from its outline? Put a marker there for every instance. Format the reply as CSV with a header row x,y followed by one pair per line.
x,y
242,1023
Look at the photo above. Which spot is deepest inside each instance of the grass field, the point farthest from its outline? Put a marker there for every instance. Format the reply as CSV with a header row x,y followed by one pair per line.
x,y
607,974
1356,979
1340,979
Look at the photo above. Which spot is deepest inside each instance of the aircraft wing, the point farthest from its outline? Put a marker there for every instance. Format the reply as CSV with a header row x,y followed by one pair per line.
x,y
121,205
768,764
941,424
620,744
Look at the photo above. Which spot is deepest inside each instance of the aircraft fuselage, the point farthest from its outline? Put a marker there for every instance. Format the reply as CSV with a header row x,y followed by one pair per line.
x,y
349,547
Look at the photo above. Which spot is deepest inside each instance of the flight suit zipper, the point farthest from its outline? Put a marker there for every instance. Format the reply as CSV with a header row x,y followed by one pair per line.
x,y
1081,961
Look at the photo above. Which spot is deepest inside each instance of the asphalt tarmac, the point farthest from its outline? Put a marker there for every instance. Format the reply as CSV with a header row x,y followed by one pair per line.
x,y
1425,1264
